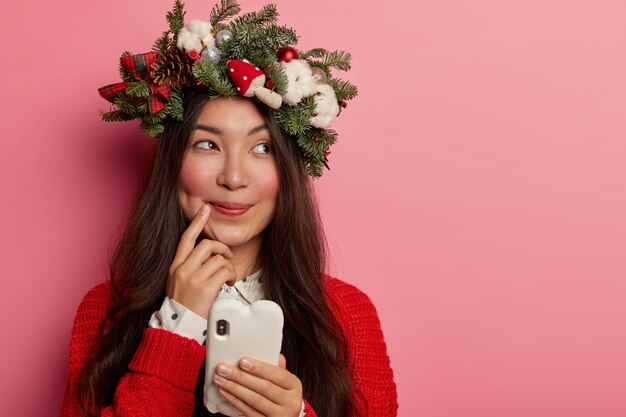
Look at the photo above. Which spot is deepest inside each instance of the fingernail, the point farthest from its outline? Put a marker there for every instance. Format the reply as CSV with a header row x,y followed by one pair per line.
x,y
223,370
203,209
218,379
246,364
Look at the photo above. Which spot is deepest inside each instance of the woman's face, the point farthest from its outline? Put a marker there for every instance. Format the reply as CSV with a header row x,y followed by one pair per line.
x,y
230,165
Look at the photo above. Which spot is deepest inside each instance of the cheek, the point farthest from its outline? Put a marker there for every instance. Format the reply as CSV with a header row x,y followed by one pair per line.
x,y
194,178
268,188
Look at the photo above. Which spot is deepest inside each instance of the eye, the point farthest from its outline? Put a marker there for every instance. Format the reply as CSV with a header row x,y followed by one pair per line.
x,y
211,145
265,147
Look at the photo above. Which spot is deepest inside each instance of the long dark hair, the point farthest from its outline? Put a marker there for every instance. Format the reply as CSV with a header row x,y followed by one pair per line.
x,y
292,257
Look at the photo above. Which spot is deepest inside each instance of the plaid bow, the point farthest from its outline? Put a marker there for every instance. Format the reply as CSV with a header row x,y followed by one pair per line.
x,y
139,67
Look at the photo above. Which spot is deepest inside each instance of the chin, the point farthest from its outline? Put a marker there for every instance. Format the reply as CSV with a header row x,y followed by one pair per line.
x,y
231,238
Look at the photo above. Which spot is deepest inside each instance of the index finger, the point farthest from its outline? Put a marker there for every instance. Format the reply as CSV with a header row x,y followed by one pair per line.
x,y
190,235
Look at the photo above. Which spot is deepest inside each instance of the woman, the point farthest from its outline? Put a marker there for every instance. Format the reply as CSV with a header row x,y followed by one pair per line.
x,y
227,208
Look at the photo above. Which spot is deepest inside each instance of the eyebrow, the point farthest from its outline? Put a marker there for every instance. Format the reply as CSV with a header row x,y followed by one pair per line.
x,y
215,130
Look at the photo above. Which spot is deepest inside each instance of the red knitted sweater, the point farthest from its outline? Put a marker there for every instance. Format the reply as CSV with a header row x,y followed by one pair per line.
x,y
163,373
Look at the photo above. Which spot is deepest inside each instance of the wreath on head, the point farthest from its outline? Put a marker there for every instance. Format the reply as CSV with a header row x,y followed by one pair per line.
x,y
248,55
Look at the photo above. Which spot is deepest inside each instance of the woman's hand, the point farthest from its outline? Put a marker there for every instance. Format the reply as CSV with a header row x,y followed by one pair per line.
x,y
257,388
197,273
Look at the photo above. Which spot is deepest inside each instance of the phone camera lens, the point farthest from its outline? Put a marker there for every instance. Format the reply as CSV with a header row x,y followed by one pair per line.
x,y
222,327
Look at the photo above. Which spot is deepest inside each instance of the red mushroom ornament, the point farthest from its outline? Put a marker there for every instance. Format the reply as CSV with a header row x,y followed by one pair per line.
x,y
250,81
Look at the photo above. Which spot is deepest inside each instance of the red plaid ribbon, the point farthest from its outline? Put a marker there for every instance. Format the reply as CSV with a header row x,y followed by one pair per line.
x,y
139,67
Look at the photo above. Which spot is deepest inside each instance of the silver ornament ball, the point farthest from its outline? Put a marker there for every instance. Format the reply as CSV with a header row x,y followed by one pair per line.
x,y
212,54
223,36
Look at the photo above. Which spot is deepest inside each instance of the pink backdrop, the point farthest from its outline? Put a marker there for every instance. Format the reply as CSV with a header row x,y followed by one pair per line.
x,y
477,191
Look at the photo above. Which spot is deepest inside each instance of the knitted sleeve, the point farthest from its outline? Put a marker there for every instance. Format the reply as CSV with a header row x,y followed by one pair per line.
x,y
162,374
369,363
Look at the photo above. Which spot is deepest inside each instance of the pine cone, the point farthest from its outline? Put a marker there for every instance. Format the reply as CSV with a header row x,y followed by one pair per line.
x,y
172,69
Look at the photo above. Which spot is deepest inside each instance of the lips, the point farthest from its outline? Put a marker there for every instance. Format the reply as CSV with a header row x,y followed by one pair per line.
x,y
230,209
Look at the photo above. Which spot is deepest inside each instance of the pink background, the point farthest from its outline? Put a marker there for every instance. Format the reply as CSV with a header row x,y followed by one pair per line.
x,y
477,191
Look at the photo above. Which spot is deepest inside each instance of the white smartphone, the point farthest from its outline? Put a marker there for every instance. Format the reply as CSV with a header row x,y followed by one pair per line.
x,y
235,330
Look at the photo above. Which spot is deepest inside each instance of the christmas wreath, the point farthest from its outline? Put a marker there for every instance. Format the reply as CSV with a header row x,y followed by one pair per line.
x,y
231,54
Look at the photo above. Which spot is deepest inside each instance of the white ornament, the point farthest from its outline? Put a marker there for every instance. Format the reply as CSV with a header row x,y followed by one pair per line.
x,y
196,34
301,82
326,106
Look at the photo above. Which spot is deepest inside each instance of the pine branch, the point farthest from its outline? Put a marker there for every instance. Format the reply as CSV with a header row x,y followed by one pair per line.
x,y
259,53
296,119
157,117
151,130
307,146
162,44
315,169
245,35
338,59
259,44
225,10
174,107
252,46
214,76
116,116
267,14
176,19
326,138
278,76
277,37
123,103
139,89
343,89
313,143
314,53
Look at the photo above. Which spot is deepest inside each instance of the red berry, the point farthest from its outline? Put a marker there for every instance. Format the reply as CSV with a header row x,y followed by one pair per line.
x,y
193,54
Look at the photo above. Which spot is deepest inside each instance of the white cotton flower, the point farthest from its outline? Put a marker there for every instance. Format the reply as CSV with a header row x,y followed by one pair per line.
x,y
326,106
196,34
300,81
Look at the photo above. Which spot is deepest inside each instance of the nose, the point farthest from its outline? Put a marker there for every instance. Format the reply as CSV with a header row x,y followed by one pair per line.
x,y
233,174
